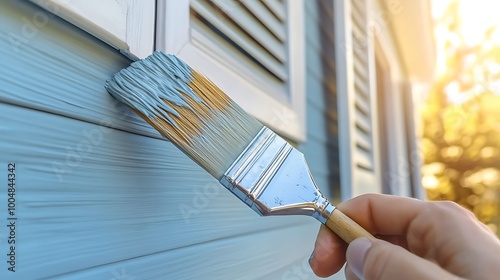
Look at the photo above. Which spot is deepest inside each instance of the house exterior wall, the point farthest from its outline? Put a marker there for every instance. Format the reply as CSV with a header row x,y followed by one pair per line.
x,y
322,129
100,195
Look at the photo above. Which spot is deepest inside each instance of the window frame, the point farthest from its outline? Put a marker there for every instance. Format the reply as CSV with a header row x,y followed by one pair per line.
x,y
127,25
285,116
397,174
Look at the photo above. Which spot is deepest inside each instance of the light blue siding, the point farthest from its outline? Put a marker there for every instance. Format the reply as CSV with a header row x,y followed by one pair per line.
x,y
121,204
321,147
100,194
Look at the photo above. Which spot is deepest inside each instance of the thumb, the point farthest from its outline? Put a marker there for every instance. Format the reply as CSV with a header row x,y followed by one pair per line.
x,y
378,259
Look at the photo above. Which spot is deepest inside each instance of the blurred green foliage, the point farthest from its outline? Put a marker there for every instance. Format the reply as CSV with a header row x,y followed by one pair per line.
x,y
461,119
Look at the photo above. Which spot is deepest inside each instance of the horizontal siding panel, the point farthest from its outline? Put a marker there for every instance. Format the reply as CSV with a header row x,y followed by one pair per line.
x,y
322,29
318,38
316,121
327,59
290,247
316,96
333,116
311,8
117,209
314,63
313,34
316,46
319,134
314,92
325,74
119,198
316,139
321,147
66,78
327,68
326,19
313,38
321,179
316,158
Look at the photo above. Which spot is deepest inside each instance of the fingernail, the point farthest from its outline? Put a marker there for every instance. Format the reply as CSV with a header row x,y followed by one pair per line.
x,y
312,262
355,255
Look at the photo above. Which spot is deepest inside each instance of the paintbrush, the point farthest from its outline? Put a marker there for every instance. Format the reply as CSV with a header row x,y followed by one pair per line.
x,y
249,159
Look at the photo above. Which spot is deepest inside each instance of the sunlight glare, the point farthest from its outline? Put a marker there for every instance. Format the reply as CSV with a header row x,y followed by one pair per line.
x,y
477,16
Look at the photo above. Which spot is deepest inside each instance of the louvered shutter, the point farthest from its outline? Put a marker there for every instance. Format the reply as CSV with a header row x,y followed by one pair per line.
x,y
363,136
251,33
252,49
358,138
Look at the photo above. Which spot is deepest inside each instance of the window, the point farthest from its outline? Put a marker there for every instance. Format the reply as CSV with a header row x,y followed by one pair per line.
x,y
253,50
127,25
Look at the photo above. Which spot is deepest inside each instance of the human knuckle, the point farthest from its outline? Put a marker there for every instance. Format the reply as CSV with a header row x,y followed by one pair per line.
x,y
448,208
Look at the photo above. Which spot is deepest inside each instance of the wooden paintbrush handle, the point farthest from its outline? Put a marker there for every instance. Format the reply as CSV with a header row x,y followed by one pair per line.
x,y
345,227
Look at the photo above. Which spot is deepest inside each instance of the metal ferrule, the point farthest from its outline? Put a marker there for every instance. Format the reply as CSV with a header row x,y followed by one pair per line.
x,y
272,177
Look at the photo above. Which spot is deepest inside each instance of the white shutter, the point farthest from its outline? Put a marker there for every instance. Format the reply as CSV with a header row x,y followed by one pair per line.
x,y
252,34
363,136
358,145
253,50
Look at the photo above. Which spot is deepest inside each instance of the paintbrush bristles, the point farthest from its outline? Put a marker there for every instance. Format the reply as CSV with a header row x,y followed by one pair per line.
x,y
188,109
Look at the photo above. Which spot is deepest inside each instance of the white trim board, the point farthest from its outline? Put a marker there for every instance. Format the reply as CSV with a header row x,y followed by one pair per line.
x,y
127,25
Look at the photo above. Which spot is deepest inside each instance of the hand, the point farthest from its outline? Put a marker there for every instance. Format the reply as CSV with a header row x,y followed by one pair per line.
x,y
436,240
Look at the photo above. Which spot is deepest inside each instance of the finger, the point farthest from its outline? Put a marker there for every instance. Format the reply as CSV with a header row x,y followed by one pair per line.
x,y
349,275
440,231
467,249
394,239
411,221
377,259
382,214
329,253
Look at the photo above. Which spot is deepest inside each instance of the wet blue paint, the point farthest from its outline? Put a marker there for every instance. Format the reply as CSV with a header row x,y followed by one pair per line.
x,y
146,83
